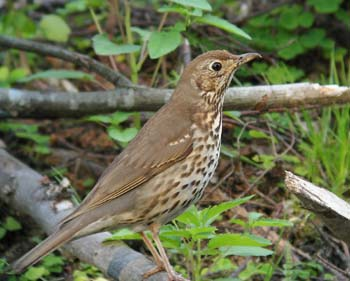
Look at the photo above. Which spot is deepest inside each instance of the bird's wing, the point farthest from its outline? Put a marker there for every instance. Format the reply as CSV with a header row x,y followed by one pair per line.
x,y
160,143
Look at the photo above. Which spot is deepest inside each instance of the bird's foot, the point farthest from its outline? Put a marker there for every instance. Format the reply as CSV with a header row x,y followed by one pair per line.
x,y
152,271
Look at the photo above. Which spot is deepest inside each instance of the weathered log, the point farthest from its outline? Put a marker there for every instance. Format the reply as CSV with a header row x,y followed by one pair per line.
x,y
21,188
332,210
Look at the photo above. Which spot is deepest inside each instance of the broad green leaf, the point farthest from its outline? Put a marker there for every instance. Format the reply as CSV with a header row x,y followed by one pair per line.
x,y
234,239
120,116
55,28
163,42
229,151
122,135
124,234
291,51
104,47
271,222
36,273
325,6
245,251
306,19
58,74
223,24
190,217
11,224
211,214
289,18
200,4
17,74
4,73
312,38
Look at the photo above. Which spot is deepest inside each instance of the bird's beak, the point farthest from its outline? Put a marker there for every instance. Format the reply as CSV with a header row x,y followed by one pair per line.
x,y
242,59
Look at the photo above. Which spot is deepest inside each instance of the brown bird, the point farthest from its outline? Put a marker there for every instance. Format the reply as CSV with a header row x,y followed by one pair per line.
x,y
163,170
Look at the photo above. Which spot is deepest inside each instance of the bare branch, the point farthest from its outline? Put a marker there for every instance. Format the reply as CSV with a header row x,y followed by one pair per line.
x,y
78,59
333,211
256,99
21,188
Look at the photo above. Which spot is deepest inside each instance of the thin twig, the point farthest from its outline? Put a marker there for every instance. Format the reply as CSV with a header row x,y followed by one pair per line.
x,y
80,60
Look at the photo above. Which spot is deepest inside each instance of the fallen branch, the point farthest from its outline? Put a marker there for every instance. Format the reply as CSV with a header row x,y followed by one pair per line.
x,y
333,211
78,59
258,99
21,188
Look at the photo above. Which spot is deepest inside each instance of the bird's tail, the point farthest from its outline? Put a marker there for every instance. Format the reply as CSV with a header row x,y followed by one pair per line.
x,y
51,243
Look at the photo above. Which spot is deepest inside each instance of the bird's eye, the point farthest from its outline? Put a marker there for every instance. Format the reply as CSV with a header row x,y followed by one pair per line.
x,y
216,66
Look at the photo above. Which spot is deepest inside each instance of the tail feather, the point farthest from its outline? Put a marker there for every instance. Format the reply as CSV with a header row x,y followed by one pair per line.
x,y
50,244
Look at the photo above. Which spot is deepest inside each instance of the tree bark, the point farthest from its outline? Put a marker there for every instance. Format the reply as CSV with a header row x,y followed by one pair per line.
x,y
333,211
257,99
21,188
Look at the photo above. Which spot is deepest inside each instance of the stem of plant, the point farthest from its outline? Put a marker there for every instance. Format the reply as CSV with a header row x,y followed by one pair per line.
x,y
100,31
129,38
154,76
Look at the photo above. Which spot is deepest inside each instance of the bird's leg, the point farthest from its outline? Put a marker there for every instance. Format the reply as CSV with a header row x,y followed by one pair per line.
x,y
156,256
169,269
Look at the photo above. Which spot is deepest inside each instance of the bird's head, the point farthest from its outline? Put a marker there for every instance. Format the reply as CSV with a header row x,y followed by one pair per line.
x,y
211,73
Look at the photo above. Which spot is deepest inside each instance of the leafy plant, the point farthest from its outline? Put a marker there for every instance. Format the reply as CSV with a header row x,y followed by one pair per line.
x,y
193,235
28,132
114,126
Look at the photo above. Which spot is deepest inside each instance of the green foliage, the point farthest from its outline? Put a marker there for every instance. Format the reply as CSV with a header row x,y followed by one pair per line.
x,y
114,126
103,46
30,132
54,28
10,224
194,236
163,42
325,142
9,77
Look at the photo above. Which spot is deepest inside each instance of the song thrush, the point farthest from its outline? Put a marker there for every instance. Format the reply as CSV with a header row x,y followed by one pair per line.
x,y
163,170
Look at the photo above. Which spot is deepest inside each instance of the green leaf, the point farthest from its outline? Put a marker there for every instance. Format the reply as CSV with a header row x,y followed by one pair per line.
x,y
2,232
163,42
312,38
291,51
11,224
306,19
245,251
212,213
258,134
100,119
271,222
289,18
122,135
17,74
190,217
58,74
124,234
36,273
325,6
55,28
234,239
4,73
104,47
120,116
200,4
223,24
